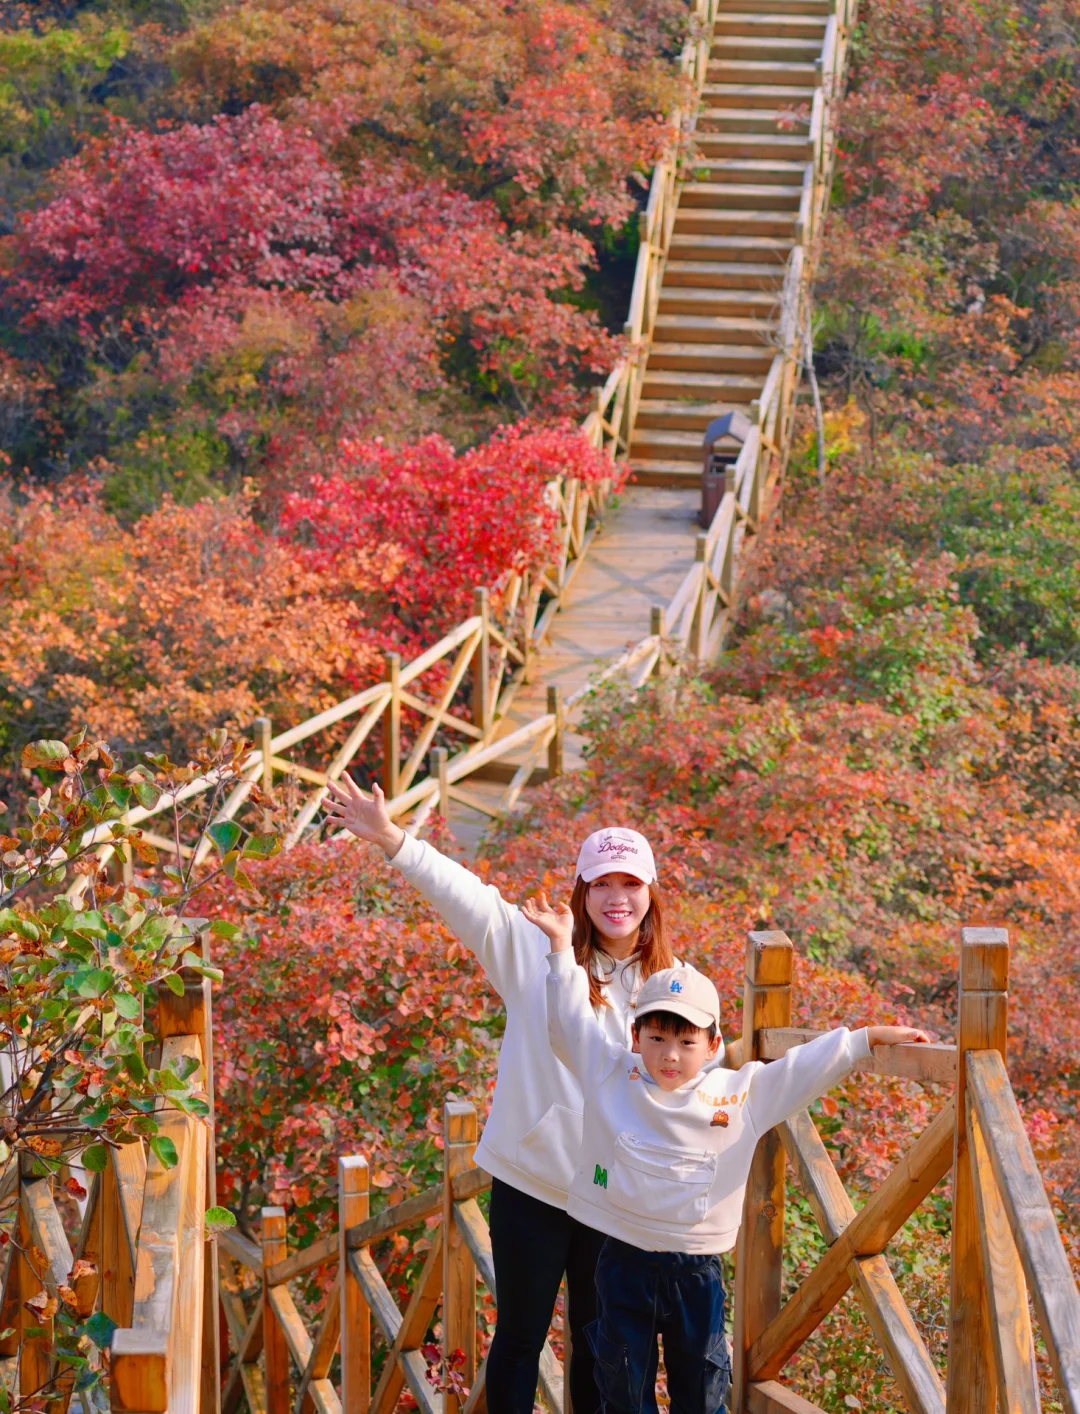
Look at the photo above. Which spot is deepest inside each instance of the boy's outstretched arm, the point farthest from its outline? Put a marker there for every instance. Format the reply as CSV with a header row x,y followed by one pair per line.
x,y
782,1087
576,1036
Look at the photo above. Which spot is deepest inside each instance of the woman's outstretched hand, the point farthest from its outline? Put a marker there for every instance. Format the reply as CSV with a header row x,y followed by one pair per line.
x,y
363,816
555,923
896,1036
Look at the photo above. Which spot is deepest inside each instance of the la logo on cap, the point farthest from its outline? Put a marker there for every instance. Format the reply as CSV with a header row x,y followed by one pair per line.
x,y
676,986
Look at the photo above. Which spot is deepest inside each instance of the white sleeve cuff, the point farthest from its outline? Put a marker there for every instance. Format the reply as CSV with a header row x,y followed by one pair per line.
x,y
562,961
860,1044
409,855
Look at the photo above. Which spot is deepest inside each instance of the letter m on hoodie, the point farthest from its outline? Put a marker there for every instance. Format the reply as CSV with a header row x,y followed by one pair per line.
x,y
600,1177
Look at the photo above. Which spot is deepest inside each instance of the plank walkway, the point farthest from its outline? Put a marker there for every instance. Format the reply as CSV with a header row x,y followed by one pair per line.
x,y
637,560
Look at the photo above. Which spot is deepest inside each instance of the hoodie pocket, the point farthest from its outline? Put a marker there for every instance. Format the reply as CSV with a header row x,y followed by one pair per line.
x,y
660,1183
551,1148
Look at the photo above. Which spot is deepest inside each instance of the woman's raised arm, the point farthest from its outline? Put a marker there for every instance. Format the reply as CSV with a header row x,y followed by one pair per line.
x,y
366,818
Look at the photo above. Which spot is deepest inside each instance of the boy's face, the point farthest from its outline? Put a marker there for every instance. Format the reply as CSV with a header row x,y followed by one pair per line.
x,y
673,1060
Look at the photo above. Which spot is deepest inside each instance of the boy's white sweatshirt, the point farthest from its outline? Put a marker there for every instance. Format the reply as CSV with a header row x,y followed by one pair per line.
x,y
666,1170
533,1135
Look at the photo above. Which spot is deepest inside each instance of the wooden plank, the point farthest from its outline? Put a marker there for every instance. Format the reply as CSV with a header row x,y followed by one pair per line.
x,y
286,1315
419,1315
874,1284
1034,1226
459,1270
47,1233
927,1063
188,1330
760,1245
405,1214
120,1216
323,1349
275,1349
36,1352
470,1222
246,1252
884,1213
376,1293
354,1321
477,1400
1007,1298
773,1398
415,1369
247,1335
982,1025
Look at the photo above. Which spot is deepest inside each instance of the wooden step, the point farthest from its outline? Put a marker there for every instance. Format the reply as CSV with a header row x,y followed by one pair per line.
x,y
749,175
711,358
716,196
711,329
718,99
743,145
735,304
755,249
734,24
695,221
749,274
822,8
648,472
667,444
748,120
682,415
761,47
757,73
669,384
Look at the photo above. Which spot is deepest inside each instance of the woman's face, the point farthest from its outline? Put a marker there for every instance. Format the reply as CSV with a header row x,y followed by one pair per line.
x,y
617,903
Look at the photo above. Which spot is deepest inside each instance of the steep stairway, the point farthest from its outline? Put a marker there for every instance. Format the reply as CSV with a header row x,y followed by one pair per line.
x,y
737,221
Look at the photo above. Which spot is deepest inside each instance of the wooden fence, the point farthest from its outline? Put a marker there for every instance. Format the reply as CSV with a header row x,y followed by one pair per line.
x,y
1005,1247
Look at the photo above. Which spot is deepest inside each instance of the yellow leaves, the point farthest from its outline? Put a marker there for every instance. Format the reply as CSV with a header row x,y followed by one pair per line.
x,y
48,1148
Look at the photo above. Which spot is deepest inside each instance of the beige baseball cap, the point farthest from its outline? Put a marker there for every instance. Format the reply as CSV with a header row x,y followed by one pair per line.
x,y
616,851
684,991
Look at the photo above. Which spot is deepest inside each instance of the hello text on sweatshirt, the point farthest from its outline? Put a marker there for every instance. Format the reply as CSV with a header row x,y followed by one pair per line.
x,y
666,1170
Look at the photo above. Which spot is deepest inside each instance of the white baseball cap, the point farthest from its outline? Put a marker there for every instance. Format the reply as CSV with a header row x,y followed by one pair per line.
x,y
616,852
684,991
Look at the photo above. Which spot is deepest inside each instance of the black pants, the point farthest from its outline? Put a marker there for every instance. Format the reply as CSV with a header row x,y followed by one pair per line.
x,y
532,1244
641,1295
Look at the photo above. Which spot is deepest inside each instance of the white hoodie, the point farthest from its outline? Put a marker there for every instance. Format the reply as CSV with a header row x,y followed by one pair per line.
x,y
665,1170
533,1135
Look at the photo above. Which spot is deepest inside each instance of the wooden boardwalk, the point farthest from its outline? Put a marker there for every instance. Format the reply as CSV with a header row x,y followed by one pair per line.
x,y
638,559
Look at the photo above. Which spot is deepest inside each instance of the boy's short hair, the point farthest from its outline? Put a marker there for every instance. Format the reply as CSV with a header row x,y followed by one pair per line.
x,y
668,1021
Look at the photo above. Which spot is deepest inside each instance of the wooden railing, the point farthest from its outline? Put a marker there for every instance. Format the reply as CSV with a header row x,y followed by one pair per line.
x,y
1005,1247
142,1256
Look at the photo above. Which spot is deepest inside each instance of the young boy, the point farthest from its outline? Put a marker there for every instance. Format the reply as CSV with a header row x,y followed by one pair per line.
x,y
668,1142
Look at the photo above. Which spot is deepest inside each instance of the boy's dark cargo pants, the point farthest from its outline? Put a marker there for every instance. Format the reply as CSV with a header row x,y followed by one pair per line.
x,y
640,1295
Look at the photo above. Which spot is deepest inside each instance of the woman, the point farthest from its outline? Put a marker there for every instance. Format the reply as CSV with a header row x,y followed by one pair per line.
x,y
532,1137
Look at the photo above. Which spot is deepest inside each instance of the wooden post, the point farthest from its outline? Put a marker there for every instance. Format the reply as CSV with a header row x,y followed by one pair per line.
x,y
353,1207
759,1251
481,664
982,1025
439,758
698,629
555,745
392,727
11,1305
275,1248
35,1352
727,566
459,1271
656,629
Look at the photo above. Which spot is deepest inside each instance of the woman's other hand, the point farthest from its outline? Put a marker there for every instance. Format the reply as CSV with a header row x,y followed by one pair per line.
x,y
556,923
896,1036
364,816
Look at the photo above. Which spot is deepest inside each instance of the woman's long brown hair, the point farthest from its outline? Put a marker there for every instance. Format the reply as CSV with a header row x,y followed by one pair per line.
x,y
653,952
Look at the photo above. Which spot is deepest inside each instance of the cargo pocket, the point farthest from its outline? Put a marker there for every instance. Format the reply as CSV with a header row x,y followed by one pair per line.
x,y
612,1368
717,1376
659,1183
552,1147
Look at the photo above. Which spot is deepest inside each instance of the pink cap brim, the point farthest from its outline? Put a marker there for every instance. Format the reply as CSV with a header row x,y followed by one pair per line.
x,y
599,870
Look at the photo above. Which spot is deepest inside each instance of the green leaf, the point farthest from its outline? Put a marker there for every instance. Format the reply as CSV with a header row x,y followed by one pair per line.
x,y
51,754
146,794
100,1329
225,835
262,847
94,983
135,1066
95,1158
221,929
89,924
165,1149
219,1219
175,984
121,794
128,1006
196,964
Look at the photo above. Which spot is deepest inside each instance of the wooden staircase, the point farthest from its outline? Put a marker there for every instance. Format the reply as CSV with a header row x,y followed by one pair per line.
x,y
737,221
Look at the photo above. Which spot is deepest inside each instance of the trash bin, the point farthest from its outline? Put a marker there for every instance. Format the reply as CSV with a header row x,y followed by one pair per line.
x,y
724,438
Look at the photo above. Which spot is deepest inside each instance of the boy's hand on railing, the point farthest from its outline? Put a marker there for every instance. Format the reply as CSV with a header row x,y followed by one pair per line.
x,y
896,1036
555,923
366,817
